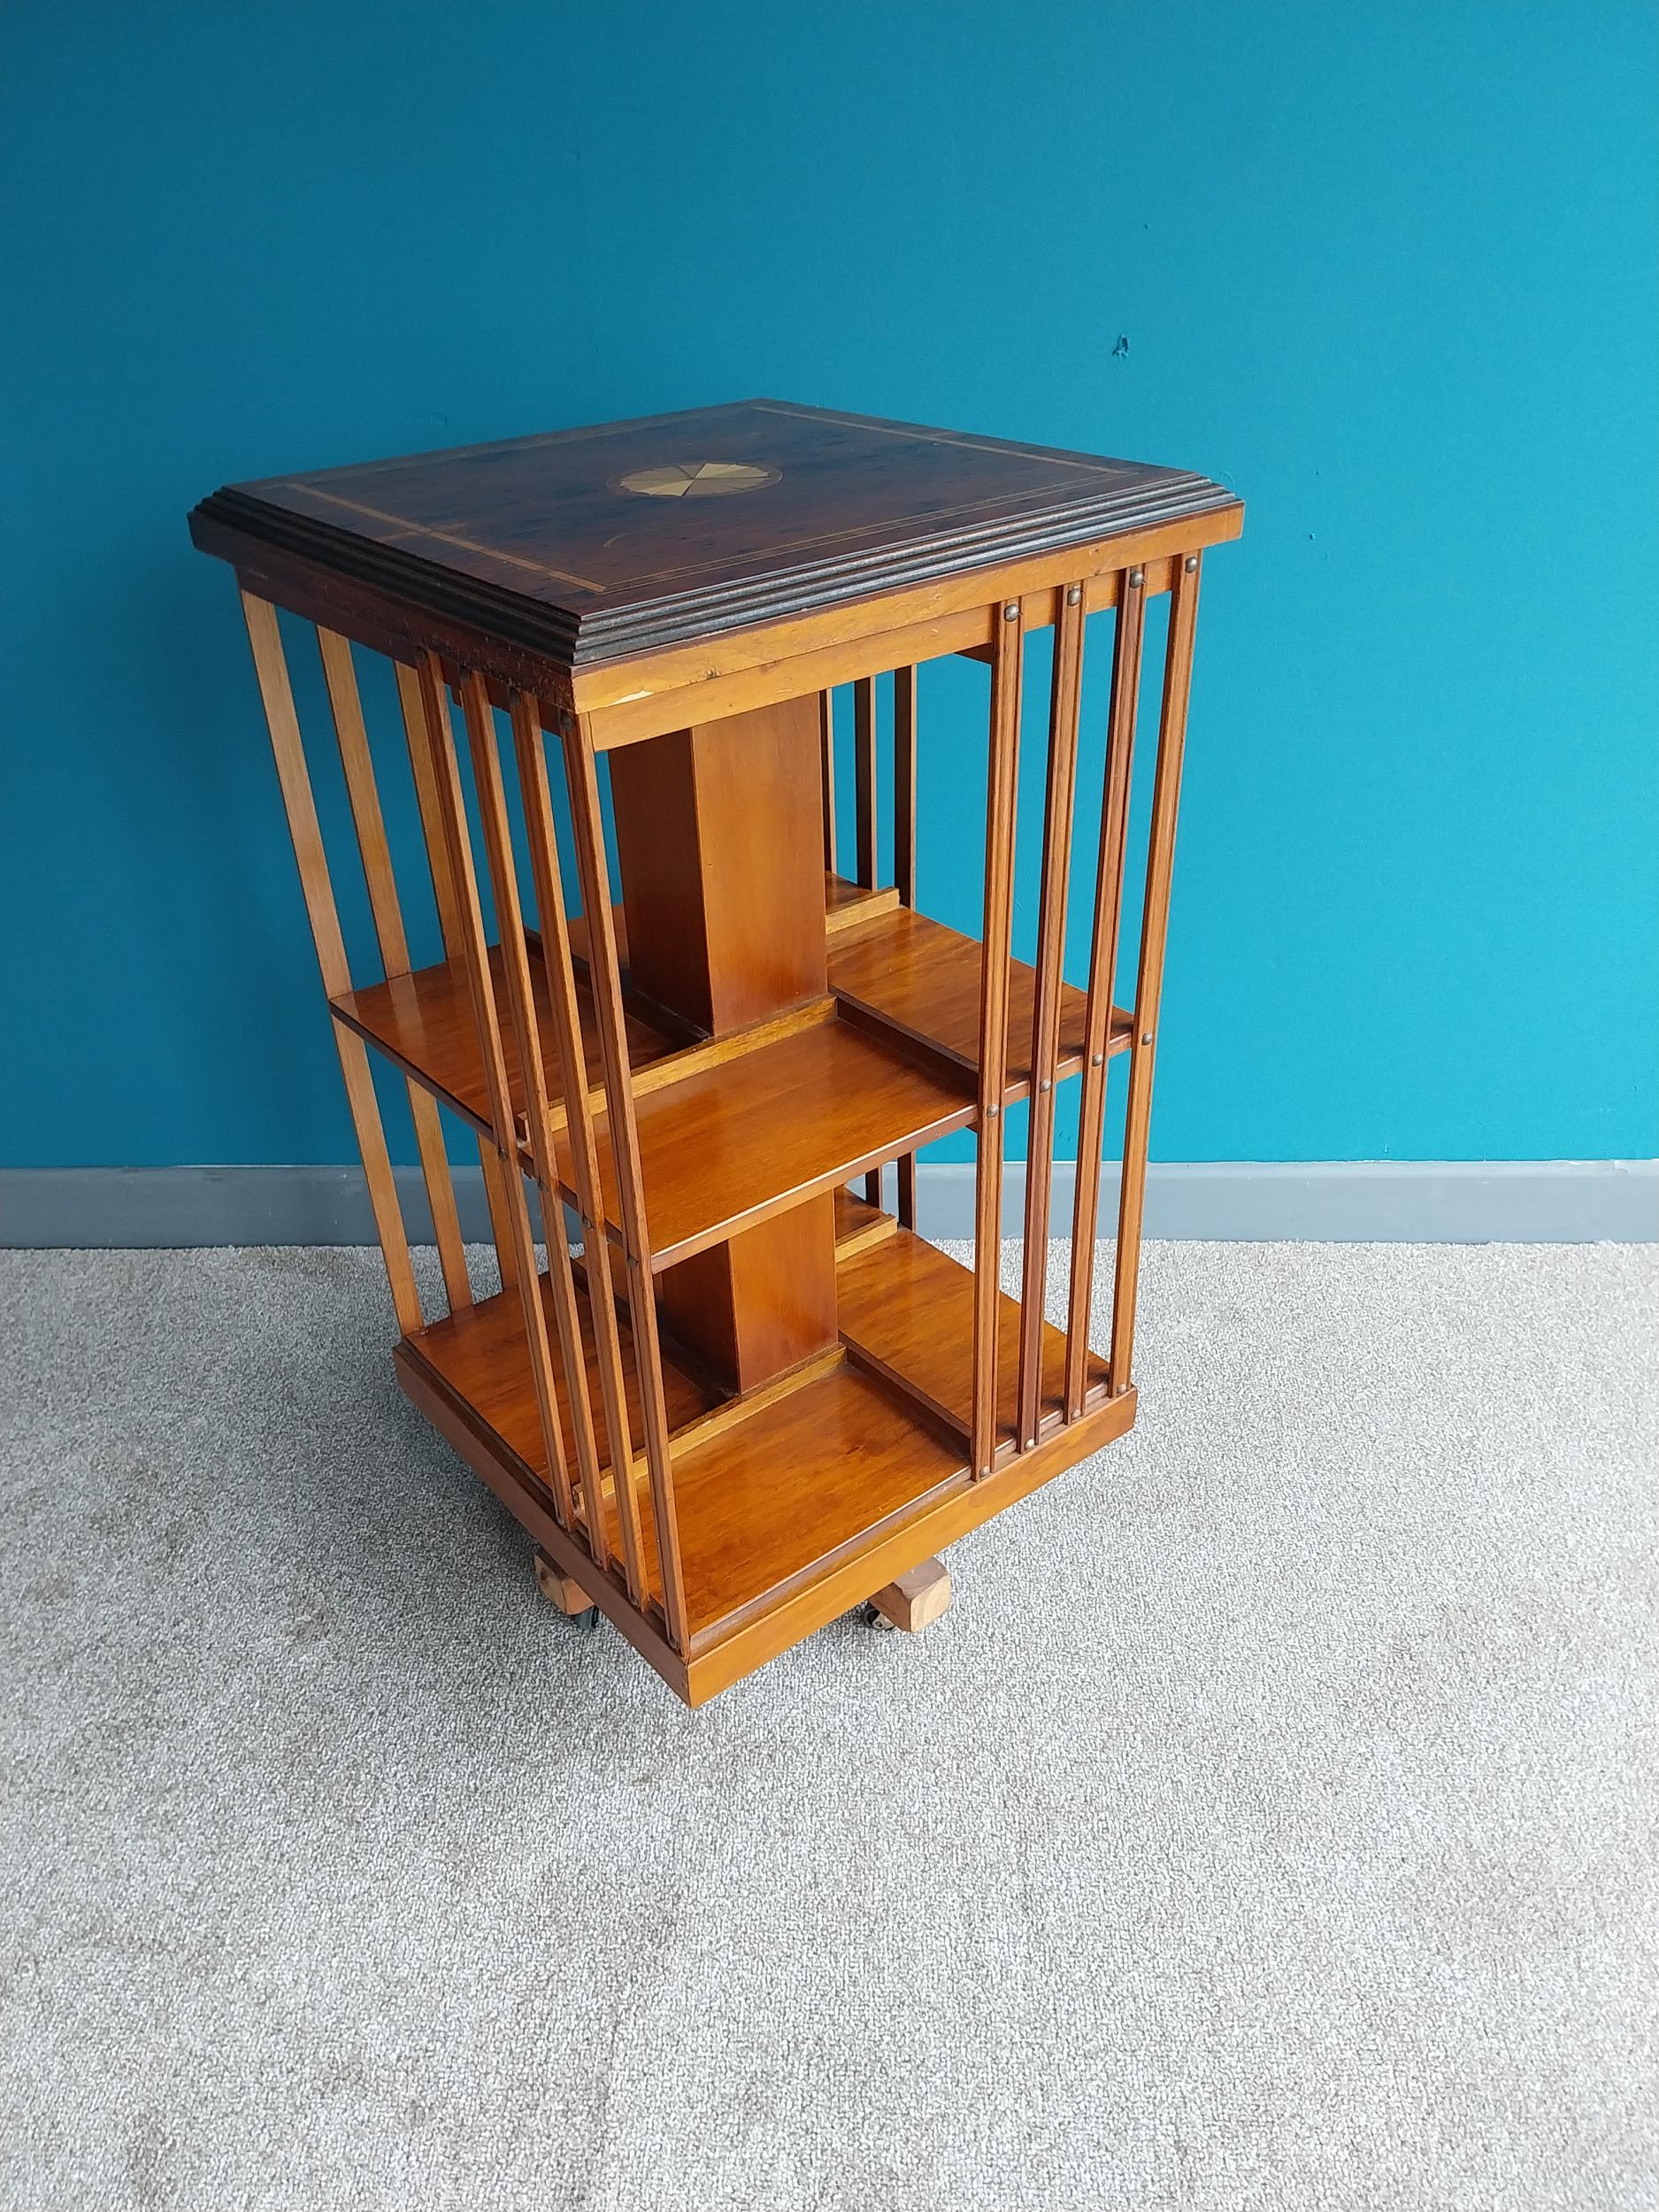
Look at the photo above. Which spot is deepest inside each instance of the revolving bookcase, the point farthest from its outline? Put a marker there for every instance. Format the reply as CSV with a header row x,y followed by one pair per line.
x,y
738,1398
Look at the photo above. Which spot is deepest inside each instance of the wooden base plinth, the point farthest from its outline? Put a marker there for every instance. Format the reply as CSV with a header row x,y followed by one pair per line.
x,y
916,1599
559,1588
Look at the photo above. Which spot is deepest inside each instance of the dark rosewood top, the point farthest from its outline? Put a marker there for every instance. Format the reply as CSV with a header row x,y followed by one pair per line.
x,y
586,545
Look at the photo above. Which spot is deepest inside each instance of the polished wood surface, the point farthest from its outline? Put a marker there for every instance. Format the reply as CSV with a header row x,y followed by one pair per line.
x,y
289,752
760,1500
747,1398
722,1151
1103,1021
1003,778
536,798
363,794
664,688
908,1307
848,905
424,1021
1065,701
584,545
719,833
858,1223
924,981
760,1302
475,954
1166,792
622,1146
480,1355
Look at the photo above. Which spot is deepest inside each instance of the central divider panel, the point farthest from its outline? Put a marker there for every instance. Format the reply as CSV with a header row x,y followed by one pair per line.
x,y
719,844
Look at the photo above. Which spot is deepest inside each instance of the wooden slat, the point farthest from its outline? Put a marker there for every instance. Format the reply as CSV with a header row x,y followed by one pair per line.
x,y
864,824
826,754
606,984
1001,777
864,817
288,749
1166,792
492,806
495,1173
904,859
458,846
346,705
1108,891
536,796
409,699
1065,700
904,784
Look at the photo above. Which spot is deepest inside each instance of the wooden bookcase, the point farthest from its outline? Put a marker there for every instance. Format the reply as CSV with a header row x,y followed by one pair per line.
x,y
740,1398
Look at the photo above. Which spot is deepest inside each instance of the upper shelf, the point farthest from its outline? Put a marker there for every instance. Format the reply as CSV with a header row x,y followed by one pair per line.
x,y
923,980
591,545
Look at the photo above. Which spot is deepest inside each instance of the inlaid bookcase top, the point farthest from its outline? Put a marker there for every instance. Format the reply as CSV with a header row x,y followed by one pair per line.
x,y
732,1397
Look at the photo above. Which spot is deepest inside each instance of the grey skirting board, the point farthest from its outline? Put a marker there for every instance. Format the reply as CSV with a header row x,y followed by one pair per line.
x,y
1458,1202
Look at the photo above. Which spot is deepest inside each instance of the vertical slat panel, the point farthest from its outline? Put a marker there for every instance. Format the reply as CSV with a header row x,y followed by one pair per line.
x,y
904,861
347,707
624,1147
555,954
1066,699
1002,777
826,753
450,926
475,954
289,751
1109,891
492,806
1166,794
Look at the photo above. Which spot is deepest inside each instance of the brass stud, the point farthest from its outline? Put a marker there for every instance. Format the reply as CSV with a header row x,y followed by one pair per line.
x,y
1097,1059
1192,564
992,1112
1135,580
1074,596
1146,1036
1011,613
1045,1085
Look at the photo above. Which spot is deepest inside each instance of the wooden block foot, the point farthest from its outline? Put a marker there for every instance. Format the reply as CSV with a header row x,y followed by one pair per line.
x,y
564,1590
916,1599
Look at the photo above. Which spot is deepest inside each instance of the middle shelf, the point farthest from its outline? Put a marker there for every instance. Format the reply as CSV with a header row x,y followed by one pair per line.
x,y
731,1135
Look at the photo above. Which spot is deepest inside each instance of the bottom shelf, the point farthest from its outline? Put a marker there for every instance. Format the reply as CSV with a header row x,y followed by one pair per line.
x,y
782,1492
908,1308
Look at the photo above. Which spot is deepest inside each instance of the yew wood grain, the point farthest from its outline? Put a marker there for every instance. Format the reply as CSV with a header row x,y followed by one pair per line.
x,y
1065,701
1166,792
289,752
725,1150
908,1308
1102,1017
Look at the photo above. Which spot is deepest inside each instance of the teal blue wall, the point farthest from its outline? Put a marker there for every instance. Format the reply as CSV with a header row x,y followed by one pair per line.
x,y
1387,269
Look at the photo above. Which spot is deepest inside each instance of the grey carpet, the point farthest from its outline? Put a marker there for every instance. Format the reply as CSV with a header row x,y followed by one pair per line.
x,y
1269,1825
